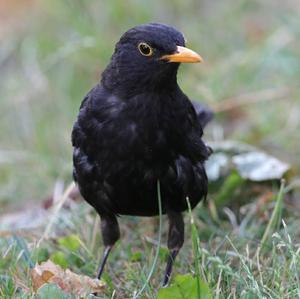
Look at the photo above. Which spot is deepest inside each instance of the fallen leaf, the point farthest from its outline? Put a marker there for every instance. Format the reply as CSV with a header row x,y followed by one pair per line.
x,y
259,166
217,165
251,163
68,281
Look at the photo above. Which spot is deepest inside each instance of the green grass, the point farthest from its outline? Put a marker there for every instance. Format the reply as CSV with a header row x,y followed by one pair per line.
x,y
56,53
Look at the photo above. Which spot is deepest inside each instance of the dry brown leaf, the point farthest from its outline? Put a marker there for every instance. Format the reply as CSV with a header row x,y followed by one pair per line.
x,y
70,282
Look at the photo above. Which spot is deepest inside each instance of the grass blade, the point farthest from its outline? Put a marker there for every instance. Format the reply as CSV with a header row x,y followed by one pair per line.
x,y
196,245
275,218
158,245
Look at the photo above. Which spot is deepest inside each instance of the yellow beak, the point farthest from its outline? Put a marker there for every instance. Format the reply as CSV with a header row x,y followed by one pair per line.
x,y
183,54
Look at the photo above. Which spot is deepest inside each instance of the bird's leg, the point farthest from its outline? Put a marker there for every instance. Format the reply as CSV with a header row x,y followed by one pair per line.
x,y
175,241
103,261
110,234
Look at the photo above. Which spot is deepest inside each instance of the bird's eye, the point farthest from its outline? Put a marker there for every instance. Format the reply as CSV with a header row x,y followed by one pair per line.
x,y
145,49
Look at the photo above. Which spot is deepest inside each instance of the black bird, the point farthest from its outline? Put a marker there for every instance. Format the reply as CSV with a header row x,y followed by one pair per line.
x,y
136,127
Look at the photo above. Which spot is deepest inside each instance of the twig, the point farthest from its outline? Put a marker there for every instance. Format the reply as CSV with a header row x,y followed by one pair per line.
x,y
251,98
59,205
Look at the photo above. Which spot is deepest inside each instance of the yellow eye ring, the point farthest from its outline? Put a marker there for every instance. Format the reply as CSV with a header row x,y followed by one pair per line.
x,y
145,49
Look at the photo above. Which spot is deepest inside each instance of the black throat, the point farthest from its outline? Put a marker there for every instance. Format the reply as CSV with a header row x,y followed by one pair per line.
x,y
129,82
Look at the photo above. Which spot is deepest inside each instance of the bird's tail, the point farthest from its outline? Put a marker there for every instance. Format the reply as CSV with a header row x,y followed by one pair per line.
x,y
204,113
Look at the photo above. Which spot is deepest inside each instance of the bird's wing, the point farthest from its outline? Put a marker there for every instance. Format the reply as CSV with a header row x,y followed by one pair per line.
x,y
204,113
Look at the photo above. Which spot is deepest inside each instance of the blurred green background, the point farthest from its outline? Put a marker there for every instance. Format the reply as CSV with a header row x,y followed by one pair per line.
x,y
53,52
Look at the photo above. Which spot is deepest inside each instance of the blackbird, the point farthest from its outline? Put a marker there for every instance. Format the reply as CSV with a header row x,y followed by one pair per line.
x,y
136,127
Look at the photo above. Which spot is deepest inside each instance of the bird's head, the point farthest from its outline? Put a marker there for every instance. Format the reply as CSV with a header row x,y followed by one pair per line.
x,y
145,58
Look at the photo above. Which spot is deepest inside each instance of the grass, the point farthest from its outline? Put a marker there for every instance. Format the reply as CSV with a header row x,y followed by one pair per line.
x,y
232,265
52,54
155,260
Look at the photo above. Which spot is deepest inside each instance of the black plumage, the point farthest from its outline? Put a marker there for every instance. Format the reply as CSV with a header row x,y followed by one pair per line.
x,y
136,127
